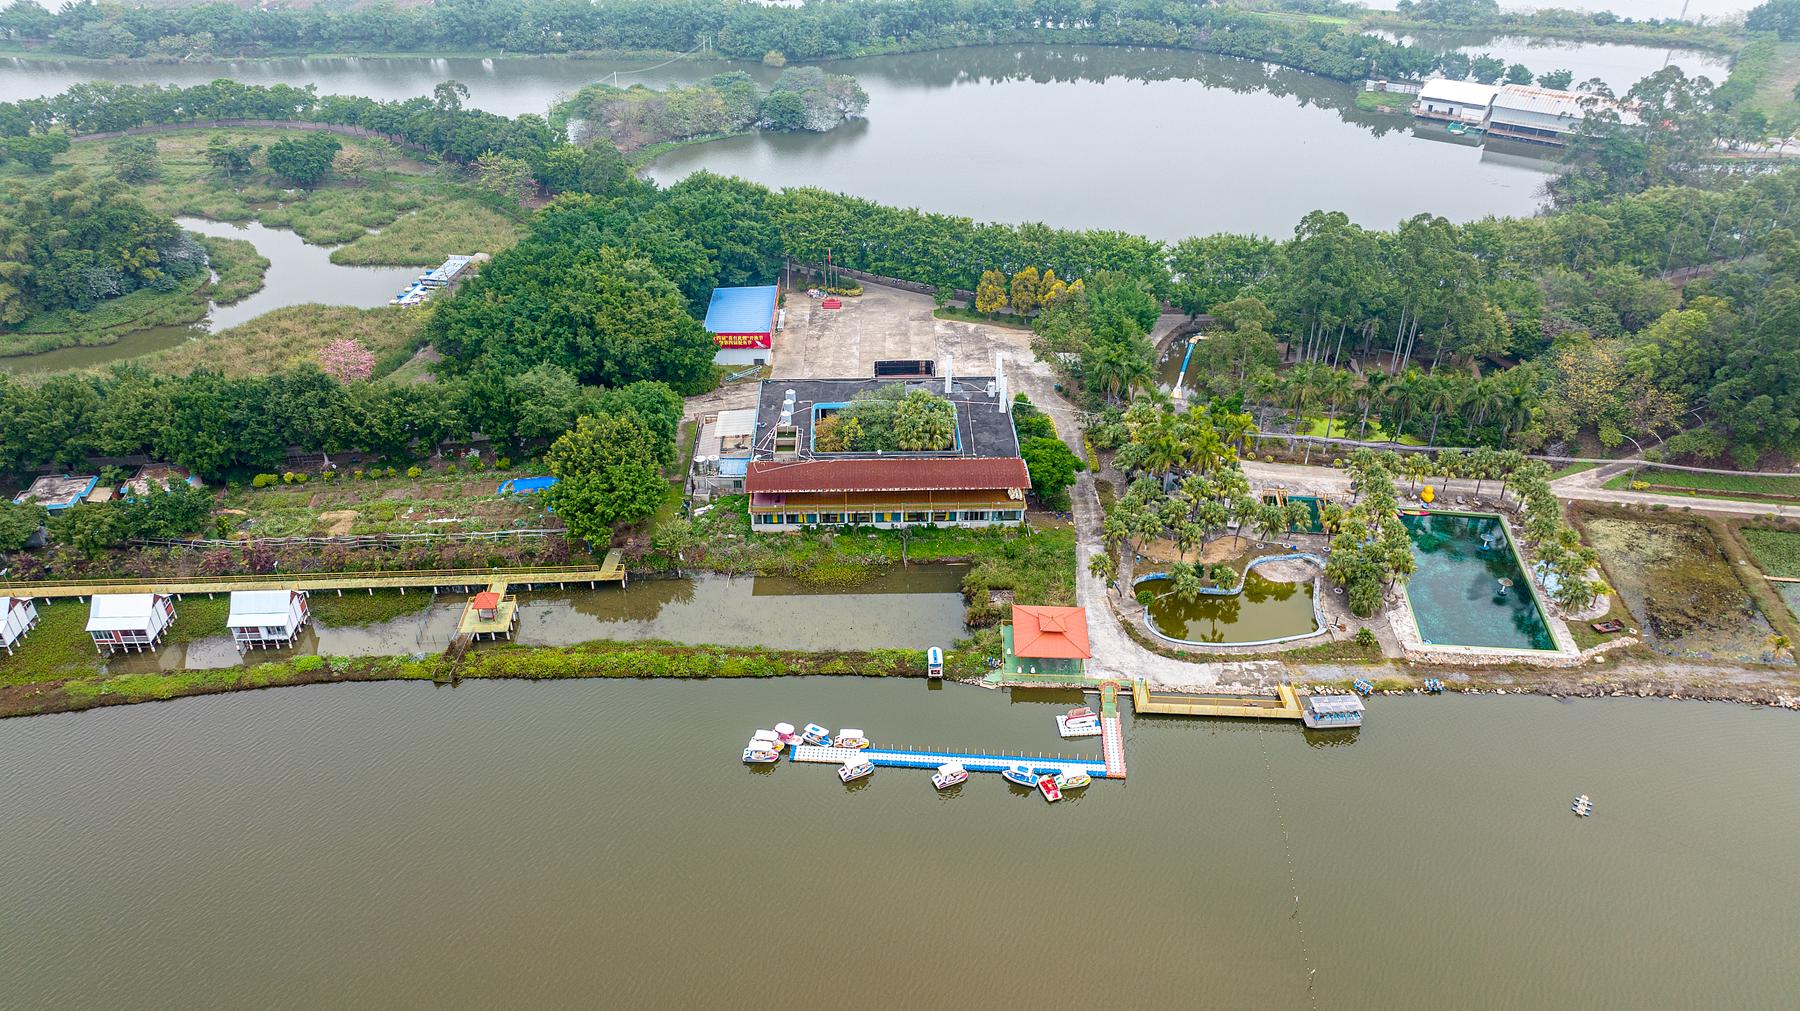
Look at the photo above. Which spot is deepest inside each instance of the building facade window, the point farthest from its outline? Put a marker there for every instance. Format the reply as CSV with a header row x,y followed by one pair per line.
x,y
918,517
943,517
830,518
862,519
974,515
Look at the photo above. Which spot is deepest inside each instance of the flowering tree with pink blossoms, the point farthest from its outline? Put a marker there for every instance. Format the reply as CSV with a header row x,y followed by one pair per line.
x,y
346,360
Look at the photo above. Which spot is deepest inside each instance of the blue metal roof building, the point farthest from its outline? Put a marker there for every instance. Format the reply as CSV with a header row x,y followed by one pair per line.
x,y
742,311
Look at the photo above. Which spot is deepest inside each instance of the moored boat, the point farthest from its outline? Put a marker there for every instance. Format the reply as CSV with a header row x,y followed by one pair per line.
x,y
948,776
1018,775
1047,786
1084,713
759,753
785,731
850,738
1073,781
1077,728
1582,806
769,737
855,769
815,734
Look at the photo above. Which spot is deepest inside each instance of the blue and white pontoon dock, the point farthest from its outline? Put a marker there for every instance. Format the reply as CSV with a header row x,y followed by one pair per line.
x,y
930,760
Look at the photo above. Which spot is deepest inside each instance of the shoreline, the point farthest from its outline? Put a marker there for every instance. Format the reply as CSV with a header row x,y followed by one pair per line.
x,y
656,659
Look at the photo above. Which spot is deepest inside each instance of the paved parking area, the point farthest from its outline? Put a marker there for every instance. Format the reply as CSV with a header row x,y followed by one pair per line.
x,y
885,323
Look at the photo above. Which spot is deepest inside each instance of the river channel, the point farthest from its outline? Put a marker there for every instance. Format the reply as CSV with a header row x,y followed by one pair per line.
x,y
508,843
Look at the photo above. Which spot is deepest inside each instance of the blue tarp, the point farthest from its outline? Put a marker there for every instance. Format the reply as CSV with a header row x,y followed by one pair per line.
x,y
524,485
742,310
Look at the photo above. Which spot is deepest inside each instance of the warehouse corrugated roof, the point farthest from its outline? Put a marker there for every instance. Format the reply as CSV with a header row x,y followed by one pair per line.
x,y
741,310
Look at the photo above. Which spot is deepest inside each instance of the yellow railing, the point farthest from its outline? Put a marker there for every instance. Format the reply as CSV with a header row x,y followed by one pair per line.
x,y
314,581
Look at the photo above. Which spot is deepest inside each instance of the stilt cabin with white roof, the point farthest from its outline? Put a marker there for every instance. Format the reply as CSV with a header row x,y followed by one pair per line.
x,y
134,622
18,615
266,618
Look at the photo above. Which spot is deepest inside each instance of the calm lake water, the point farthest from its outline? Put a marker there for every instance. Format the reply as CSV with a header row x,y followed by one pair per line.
x,y
298,274
1165,134
499,844
1620,66
910,608
1264,610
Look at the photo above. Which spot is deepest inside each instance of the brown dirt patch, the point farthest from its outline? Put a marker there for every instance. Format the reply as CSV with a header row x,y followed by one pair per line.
x,y
1219,549
338,522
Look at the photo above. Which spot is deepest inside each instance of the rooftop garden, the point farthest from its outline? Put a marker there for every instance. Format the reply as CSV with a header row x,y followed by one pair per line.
x,y
887,420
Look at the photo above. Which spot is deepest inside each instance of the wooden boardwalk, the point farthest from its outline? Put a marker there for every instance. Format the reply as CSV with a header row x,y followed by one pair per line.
x,y
610,571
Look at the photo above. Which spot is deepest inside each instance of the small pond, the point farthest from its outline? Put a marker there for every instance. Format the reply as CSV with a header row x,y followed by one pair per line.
x,y
909,608
1263,610
1457,595
298,274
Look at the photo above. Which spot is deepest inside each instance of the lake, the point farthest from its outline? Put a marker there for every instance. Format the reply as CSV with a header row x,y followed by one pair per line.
x,y
497,844
1175,143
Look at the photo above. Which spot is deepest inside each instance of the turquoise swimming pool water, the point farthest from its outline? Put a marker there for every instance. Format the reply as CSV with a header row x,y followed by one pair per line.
x,y
1456,593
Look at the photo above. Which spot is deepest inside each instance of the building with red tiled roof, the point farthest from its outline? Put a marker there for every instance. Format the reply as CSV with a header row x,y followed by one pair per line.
x,y
977,480
1046,641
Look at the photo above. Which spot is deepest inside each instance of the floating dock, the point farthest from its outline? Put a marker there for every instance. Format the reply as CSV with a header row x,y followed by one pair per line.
x,y
1112,735
1040,764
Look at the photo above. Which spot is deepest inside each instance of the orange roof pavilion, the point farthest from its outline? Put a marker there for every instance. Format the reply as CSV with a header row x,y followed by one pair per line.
x,y
1050,633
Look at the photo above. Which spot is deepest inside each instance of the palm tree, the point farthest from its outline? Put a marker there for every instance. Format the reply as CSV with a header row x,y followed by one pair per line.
x,y
1780,646
1373,391
1407,393
1442,394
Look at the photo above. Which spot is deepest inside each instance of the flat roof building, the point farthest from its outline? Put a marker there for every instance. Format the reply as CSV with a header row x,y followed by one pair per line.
x,y
1545,115
58,492
742,322
1455,101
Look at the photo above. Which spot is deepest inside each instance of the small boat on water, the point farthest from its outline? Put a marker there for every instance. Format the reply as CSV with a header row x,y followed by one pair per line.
x,y
934,663
769,737
1434,686
785,731
1362,687
1077,728
948,776
1018,775
1582,806
815,734
1073,781
849,738
759,753
1084,713
1047,786
855,769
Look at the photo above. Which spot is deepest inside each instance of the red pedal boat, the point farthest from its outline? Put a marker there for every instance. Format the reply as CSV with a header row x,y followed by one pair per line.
x,y
1047,786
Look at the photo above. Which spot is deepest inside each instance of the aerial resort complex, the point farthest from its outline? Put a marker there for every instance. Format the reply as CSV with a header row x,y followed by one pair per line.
x,y
1300,466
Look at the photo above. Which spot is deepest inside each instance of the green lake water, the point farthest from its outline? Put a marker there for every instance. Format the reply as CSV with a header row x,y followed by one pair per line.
x,y
1263,610
1456,594
598,843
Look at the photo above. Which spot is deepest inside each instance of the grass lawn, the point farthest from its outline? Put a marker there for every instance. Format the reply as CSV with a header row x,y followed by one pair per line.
x,y
971,316
431,233
1573,468
1587,638
292,335
1773,69
1384,101
58,648
353,609
1777,552
437,501
1717,485
1347,428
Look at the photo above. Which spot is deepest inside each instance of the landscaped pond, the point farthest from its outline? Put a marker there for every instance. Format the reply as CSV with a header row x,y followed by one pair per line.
x,y
1469,589
1264,610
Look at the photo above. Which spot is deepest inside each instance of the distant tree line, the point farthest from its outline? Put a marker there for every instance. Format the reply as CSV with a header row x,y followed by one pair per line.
x,y
814,31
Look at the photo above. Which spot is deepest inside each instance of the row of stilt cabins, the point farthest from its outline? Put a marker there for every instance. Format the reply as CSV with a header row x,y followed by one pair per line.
x,y
136,622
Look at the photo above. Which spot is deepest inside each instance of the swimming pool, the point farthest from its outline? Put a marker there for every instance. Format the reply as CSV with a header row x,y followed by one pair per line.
x,y
1457,594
